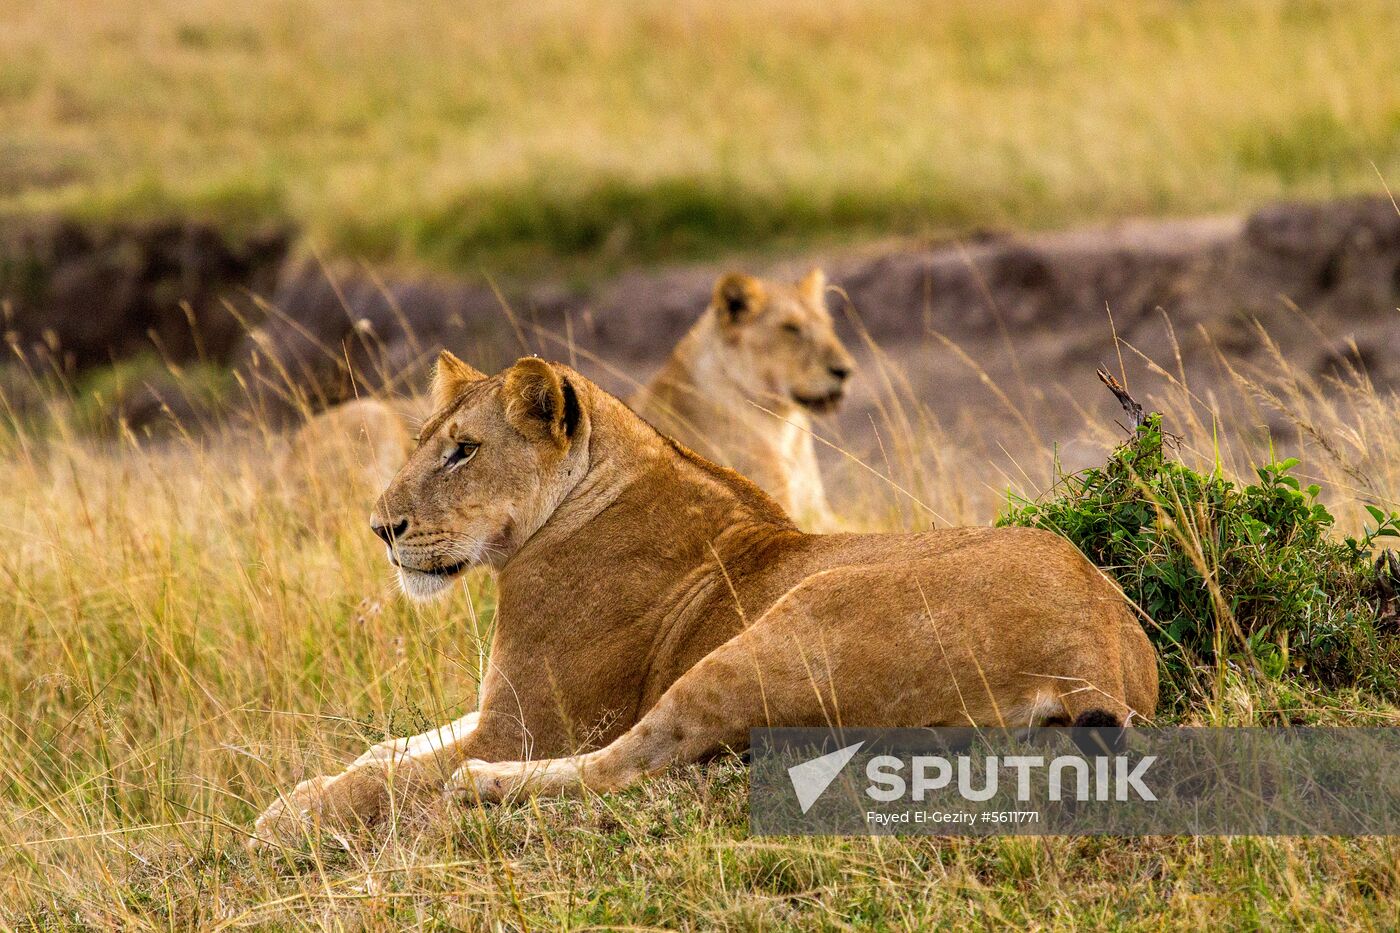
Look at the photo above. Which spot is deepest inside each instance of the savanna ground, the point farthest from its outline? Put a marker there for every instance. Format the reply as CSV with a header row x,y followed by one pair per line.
x,y
188,626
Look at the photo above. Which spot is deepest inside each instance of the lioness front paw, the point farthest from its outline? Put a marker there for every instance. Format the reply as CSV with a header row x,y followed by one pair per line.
x,y
356,798
291,818
489,782
387,753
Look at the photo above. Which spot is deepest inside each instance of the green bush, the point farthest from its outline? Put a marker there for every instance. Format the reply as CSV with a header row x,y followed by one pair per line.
x,y
1245,575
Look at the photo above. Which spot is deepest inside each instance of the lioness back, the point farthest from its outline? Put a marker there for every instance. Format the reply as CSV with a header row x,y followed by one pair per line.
x,y
940,581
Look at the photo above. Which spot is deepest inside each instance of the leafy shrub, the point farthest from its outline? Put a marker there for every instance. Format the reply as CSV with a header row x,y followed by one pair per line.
x,y
1246,575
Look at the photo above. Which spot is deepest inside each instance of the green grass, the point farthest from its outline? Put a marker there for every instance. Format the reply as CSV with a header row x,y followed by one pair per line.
x,y
525,135
613,219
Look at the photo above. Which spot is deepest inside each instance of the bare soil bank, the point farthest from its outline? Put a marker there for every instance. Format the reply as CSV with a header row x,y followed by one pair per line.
x,y
83,295
1029,315
1001,326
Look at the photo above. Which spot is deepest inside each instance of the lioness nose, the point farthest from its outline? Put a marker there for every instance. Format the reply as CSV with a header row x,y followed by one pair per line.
x,y
840,372
389,532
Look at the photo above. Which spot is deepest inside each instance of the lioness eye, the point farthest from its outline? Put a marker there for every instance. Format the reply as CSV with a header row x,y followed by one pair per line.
x,y
791,328
460,454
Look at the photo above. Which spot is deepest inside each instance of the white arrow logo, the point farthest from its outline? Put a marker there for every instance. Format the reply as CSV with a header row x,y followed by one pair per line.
x,y
811,778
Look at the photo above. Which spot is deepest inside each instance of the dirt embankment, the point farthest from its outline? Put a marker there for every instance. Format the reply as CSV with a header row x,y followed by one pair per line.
x,y
1031,312
80,295
1323,279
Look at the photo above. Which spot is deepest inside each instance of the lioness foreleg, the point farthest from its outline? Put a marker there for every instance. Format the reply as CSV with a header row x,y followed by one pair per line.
x,y
649,748
710,708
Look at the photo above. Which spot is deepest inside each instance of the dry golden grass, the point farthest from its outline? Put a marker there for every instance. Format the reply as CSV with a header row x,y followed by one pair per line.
x,y
509,132
188,629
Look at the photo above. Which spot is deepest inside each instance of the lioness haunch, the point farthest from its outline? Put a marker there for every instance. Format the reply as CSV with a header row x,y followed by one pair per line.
x,y
656,607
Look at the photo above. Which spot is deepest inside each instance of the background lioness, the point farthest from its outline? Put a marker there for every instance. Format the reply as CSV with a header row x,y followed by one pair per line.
x,y
661,606
364,440
759,343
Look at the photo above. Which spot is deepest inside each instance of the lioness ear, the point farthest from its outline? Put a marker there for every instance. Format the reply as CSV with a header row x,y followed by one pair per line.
x,y
539,399
450,377
738,297
812,286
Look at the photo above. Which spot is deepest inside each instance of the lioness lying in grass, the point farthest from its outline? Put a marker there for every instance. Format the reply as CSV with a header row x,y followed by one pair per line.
x,y
665,606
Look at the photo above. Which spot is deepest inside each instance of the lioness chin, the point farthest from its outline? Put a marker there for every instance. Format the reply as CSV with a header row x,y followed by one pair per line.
x,y
663,606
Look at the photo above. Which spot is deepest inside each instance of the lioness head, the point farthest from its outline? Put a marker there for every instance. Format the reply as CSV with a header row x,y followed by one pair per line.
x,y
780,341
492,463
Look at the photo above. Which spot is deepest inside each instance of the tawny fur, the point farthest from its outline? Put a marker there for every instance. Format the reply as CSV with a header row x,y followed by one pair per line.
x,y
362,442
653,607
739,387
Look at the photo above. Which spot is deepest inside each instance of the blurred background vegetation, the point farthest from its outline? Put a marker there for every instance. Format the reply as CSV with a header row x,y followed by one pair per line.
x,y
514,136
